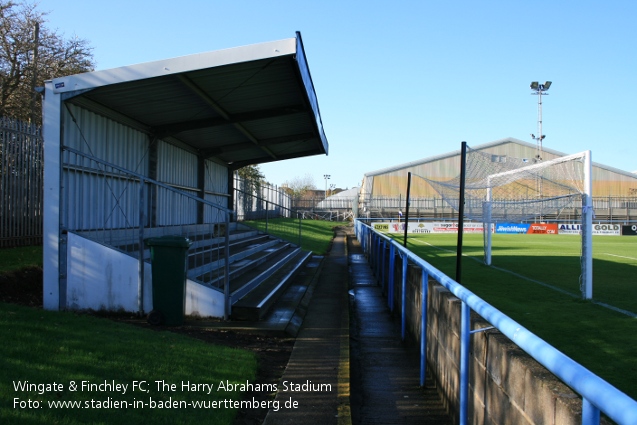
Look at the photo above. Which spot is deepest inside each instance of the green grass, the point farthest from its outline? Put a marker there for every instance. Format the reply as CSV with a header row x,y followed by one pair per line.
x,y
316,235
596,337
44,347
12,259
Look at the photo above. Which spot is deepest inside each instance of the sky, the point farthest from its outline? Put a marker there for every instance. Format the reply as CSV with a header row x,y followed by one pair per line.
x,y
405,80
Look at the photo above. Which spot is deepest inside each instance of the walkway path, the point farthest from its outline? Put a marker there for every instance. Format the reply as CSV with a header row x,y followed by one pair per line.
x,y
379,382
385,372
320,358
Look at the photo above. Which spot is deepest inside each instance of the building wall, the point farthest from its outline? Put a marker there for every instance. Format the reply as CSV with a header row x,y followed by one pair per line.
x,y
393,183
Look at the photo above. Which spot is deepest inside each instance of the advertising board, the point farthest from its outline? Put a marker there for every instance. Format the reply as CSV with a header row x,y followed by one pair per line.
x,y
543,229
629,230
512,228
428,227
570,229
606,229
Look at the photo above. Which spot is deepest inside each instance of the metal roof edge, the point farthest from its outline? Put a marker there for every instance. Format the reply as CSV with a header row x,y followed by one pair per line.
x,y
306,78
175,65
517,141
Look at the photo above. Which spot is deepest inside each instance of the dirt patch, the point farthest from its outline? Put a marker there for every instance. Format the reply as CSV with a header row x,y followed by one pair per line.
x,y
24,287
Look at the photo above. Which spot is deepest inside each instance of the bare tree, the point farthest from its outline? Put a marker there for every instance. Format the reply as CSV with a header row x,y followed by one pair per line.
x,y
299,186
31,53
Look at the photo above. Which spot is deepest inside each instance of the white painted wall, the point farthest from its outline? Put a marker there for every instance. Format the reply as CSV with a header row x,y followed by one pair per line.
x,y
100,278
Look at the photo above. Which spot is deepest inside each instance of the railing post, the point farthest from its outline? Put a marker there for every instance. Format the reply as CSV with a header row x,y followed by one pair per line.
x,y
140,287
226,270
383,273
403,298
423,325
392,274
379,250
465,332
370,249
266,216
300,226
590,413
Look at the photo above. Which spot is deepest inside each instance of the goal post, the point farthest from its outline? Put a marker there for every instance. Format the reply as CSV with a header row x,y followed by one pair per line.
x,y
586,193
502,189
587,227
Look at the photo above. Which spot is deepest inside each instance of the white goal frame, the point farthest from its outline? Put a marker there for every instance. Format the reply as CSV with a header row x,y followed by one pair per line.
x,y
587,215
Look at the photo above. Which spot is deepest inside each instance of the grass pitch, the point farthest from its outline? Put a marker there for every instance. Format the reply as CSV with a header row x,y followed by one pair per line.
x,y
597,337
553,260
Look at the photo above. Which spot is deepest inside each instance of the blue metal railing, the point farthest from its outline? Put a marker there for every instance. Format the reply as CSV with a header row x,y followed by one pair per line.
x,y
597,394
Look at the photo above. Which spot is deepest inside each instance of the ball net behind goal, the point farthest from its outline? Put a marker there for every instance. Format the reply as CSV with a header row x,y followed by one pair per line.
x,y
502,189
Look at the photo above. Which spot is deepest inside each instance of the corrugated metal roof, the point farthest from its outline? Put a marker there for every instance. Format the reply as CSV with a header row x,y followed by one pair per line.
x,y
482,147
240,106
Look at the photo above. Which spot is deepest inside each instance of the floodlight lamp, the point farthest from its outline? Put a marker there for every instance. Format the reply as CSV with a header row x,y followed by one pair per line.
x,y
547,85
534,85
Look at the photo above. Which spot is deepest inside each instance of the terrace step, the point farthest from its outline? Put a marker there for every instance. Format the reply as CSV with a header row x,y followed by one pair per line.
x,y
255,304
242,262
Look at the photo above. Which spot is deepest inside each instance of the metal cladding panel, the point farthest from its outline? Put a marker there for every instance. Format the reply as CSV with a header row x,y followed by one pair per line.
x,y
214,215
216,181
216,178
391,182
175,209
516,150
279,127
251,86
213,137
105,139
92,202
609,183
176,166
152,102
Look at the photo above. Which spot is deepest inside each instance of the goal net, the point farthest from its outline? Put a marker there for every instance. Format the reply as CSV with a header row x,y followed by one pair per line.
x,y
502,189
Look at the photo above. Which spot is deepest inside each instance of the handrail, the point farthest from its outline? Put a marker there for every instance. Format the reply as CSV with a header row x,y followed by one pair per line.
x,y
597,394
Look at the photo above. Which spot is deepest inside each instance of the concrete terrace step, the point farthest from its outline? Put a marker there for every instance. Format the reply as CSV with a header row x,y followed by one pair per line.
x,y
206,264
240,286
212,274
254,301
260,266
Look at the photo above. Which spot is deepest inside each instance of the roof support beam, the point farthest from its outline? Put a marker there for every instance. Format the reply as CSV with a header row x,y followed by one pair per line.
x,y
172,129
207,153
211,102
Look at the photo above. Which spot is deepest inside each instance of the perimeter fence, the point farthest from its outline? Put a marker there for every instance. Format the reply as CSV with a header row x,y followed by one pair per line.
x,y
21,183
390,261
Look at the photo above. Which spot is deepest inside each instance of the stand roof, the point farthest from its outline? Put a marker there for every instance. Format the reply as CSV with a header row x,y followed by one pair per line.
x,y
239,106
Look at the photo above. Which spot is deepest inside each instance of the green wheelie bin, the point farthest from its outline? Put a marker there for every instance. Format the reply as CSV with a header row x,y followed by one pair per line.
x,y
168,256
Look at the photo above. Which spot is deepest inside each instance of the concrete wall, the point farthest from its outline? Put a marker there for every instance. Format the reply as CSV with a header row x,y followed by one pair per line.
x,y
101,278
506,386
